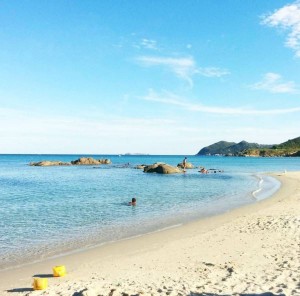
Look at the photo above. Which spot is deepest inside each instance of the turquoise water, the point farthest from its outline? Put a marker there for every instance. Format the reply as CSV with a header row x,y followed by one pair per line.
x,y
46,211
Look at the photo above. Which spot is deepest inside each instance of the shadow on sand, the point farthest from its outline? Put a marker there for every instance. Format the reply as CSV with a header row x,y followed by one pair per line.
x,y
49,275
20,290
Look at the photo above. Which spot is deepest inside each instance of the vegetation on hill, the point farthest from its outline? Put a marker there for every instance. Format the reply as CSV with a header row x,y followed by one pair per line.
x,y
229,148
288,148
290,144
216,148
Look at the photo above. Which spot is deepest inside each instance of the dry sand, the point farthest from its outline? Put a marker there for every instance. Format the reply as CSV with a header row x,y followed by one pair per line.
x,y
254,250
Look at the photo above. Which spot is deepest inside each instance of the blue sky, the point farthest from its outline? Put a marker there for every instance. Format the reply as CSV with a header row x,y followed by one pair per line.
x,y
158,77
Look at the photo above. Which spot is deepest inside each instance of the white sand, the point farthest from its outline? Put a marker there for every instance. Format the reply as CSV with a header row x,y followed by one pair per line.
x,y
251,251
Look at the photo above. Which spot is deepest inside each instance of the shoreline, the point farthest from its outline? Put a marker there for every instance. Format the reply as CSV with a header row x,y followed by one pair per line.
x,y
258,194
112,260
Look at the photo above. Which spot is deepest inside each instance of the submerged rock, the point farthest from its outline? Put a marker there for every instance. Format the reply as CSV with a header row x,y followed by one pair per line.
x,y
140,166
48,163
161,168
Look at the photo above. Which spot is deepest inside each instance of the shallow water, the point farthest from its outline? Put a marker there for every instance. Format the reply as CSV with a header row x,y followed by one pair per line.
x,y
50,210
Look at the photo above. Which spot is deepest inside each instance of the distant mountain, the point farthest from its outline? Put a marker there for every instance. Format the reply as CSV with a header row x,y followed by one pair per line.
x,y
229,148
290,144
288,148
216,148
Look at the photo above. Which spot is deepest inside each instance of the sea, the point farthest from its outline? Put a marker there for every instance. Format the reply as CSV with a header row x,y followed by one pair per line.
x,y
50,211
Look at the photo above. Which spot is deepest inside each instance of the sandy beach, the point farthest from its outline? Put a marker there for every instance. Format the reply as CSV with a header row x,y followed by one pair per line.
x,y
253,250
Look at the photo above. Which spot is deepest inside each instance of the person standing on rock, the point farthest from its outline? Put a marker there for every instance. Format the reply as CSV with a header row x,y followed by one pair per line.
x,y
184,163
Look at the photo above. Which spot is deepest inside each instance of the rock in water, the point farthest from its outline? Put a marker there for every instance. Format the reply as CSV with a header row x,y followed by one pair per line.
x,y
140,166
188,165
80,161
161,169
105,161
48,163
86,161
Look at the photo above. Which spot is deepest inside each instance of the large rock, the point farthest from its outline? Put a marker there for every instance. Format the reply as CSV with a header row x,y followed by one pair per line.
x,y
86,161
161,168
105,161
80,161
49,163
188,165
90,161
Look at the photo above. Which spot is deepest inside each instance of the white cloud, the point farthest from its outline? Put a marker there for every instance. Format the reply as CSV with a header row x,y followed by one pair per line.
x,y
171,99
287,18
212,72
183,67
272,82
145,43
149,44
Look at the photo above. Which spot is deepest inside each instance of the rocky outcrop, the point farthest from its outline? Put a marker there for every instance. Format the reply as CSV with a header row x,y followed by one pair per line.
x,y
161,168
188,165
48,163
85,161
90,161
105,161
80,161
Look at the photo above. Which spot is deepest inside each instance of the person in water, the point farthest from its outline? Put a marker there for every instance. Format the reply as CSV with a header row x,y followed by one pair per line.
x,y
203,171
132,202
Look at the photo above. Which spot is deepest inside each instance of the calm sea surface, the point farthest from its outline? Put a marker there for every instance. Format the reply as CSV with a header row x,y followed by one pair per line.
x,y
47,211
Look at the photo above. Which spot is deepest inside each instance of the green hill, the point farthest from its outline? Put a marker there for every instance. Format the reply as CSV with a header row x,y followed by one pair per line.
x,y
216,148
229,148
288,148
290,144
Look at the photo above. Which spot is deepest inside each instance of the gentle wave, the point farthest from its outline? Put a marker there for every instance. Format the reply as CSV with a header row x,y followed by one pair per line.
x,y
260,183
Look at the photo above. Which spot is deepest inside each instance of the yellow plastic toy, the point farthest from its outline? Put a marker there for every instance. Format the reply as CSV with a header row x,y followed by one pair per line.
x,y
40,283
59,271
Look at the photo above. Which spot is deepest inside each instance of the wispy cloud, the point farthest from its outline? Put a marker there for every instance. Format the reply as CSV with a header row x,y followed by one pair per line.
x,y
273,82
212,72
183,67
288,18
145,43
149,44
171,99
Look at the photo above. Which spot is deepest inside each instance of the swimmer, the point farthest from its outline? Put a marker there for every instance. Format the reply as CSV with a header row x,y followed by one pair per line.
x,y
203,171
132,202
